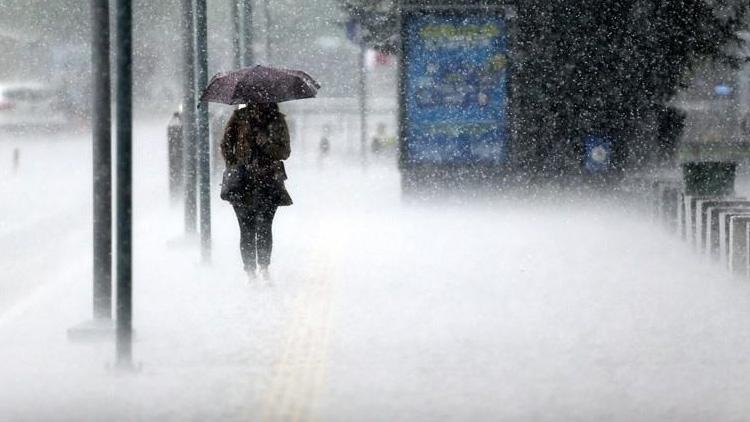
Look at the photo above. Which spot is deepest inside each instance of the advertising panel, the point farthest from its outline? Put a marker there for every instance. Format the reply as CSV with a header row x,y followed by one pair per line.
x,y
454,88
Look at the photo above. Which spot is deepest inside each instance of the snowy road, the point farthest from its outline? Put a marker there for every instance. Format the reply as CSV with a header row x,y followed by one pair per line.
x,y
379,311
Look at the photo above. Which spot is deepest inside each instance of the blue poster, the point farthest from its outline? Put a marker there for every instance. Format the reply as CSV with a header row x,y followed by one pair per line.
x,y
455,92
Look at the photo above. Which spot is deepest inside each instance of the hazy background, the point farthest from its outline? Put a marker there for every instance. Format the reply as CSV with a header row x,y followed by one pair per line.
x,y
48,40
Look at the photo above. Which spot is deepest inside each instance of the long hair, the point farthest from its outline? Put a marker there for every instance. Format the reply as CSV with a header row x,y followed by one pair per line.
x,y
263,113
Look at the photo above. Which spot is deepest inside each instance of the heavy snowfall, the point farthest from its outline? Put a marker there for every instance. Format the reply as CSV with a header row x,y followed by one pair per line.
x,y
544,295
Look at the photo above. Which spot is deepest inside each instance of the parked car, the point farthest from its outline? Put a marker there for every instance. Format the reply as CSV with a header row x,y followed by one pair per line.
x,y
30,106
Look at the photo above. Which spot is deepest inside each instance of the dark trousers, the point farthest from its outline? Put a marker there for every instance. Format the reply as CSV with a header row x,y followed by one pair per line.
x,y
256,237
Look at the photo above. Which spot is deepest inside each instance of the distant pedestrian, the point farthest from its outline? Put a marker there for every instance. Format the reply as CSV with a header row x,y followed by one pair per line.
x,y
325,142
382,143
379,140
257,138
16,159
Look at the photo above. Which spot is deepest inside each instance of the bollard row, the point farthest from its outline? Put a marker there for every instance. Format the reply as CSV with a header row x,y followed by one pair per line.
x,y
715,226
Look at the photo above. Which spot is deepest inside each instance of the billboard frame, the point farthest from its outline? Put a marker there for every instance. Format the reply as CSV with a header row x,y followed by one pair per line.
x,y
414,173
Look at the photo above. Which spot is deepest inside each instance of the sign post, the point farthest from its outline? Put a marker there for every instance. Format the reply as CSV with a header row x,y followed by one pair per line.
x,y
203,145
188,116
355,33
124,121
236,35
102,153
363,104
246,14
101,325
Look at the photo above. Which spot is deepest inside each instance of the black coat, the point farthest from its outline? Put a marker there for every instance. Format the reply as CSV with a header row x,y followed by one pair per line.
x,y
260,144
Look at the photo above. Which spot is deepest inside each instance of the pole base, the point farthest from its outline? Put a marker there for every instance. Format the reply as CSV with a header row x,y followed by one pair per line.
x,y
188,240
124,368
93,330
127,367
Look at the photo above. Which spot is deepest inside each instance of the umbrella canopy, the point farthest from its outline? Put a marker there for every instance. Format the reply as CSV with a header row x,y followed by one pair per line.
x,y
259,84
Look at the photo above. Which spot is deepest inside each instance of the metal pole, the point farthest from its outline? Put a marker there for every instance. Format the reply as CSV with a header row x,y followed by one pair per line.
x,y
236,28
124,120
204,148
247,32
267,35
188,118
175,160
363,103
102,156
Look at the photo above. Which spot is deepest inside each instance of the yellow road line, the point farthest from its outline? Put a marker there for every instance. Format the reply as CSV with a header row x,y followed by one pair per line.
x,y
300,373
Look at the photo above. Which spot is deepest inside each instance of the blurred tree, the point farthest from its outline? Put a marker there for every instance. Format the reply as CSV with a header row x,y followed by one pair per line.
x,y
606,67
609,67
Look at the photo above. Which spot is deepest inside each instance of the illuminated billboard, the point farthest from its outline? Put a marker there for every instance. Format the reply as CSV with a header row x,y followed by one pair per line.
x,y
454,82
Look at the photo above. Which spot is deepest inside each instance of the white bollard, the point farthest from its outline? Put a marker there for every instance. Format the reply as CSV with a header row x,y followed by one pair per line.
x,y
681,216
655,202
738,250
713,223
725,223
691,203
702,218
691,219
667,204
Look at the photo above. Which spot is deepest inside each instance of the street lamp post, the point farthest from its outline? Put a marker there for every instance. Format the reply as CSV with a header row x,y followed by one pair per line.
x,y
246,9
189,118
101,122
102,155
204,154
363,103
236,35
267,24
124,121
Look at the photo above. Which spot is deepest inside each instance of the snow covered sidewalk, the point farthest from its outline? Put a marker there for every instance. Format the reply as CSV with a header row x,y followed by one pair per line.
x,y
381,310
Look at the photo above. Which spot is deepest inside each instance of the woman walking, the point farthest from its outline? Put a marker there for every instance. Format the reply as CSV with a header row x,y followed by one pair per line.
x,y
257,138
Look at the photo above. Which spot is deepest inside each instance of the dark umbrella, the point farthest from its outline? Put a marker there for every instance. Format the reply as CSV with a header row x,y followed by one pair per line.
x,y
259,84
